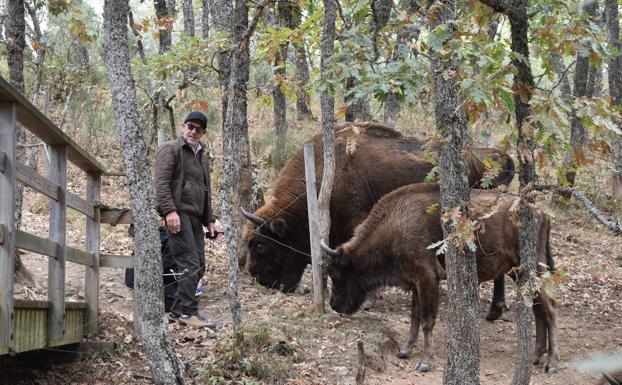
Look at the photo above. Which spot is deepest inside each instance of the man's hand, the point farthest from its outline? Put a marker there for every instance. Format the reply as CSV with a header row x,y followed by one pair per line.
x,y
213,230
172,222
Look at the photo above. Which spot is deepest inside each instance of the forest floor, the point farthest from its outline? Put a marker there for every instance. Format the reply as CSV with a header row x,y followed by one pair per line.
x,y
288,343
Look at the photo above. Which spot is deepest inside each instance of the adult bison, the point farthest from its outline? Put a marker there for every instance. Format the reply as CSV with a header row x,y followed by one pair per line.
x,y
371,160
391,248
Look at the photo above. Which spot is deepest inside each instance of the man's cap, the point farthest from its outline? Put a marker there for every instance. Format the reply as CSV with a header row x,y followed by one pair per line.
x,y
198,116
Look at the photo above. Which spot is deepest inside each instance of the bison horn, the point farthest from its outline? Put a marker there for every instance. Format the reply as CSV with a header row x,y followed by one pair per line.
x,y
256,219
330,252
610,379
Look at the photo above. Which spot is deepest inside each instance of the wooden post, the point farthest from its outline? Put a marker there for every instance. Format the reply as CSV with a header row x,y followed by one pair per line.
x,y
314,229
91,285
7,222
56,266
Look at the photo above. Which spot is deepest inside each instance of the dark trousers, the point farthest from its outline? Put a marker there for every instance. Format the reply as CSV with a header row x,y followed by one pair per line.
x,y
188,251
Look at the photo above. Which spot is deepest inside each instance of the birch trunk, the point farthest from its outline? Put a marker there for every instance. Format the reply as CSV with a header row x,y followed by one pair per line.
x,y
166,368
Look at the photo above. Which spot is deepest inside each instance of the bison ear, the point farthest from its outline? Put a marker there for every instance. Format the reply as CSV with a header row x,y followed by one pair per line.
x,y
278,227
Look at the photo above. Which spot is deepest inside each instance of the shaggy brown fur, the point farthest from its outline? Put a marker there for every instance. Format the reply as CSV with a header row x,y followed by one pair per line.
x,y
390,249
382,161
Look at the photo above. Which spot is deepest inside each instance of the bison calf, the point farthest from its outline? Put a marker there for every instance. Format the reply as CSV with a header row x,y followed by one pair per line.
x,y
390,248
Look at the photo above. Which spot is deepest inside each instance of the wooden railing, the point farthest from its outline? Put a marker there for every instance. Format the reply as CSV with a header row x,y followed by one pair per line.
x,y
14,108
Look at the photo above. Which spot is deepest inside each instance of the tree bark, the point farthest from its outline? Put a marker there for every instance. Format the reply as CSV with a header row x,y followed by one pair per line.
x,y
392,106
523,86
356,108
205,16
303,111
615,87
163,15
165,365
237,185
221,22
462,364
578,133
283,20
189,18
327,102
523,89
16,42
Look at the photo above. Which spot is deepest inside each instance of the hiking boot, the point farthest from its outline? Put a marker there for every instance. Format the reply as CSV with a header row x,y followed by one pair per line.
x,y
195,322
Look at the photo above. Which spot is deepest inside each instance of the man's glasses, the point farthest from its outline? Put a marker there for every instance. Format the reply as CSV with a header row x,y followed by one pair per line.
x,y
194,127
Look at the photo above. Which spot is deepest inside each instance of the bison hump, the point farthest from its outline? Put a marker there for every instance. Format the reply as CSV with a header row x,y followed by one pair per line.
x,y
374,129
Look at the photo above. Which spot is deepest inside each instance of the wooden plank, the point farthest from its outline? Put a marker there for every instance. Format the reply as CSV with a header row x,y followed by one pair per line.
x,y
80,256
56,267
31,178
7,219
79,204
30,242
115,260
314,229
91,279
116,216
37,123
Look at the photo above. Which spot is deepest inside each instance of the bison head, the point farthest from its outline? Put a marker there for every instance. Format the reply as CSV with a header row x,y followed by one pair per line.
x,y
347,294
275,257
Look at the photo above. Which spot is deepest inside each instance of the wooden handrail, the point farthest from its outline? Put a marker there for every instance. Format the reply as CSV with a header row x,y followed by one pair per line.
x,y
31,178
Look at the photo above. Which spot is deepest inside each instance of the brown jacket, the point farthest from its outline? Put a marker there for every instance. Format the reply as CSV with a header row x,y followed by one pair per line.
x,y
174,192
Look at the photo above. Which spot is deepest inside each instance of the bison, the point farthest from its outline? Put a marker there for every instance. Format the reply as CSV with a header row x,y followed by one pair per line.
x,y
390,248
371,160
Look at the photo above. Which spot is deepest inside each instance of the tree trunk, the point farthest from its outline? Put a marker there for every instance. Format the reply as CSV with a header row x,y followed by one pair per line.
x,y
578,134
303,111
163,16
327,102
356,108
283,20
221,11
523,88
205,10
188,18
16,41
404,36
615,87
462,364
237,185
165,365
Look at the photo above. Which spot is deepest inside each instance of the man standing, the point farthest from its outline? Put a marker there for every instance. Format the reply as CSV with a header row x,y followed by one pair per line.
x,y
183,193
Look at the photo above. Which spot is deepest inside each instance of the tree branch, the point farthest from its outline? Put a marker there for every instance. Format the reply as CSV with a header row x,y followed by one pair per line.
x,y
611,226
253,24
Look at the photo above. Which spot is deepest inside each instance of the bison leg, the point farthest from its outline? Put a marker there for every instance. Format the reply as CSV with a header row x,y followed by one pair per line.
x,y
370,300
545,312
498,299
428,308
413,334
